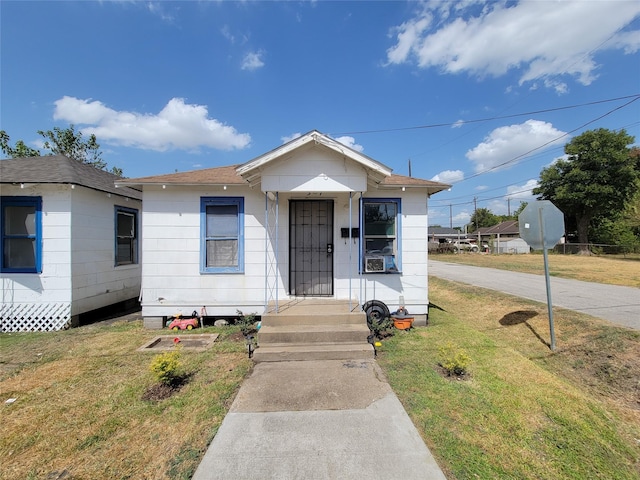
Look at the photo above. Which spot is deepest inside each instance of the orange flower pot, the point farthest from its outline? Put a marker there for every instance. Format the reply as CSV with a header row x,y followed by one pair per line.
x,y
403,323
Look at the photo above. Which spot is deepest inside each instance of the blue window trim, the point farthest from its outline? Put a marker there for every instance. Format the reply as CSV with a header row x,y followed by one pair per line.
x,y
22,202
206,201
398,257
136,237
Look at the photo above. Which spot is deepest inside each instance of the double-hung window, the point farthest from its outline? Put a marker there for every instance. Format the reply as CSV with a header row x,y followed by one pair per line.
x,y
126,236
222,227
381,238
21,219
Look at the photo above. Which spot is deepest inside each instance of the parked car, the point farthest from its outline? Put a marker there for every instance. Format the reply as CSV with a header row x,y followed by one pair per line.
x,y
465,246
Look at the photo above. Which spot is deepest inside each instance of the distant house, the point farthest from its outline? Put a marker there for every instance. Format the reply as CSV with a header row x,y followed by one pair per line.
x,y
69,241
501,231
311,218
443,234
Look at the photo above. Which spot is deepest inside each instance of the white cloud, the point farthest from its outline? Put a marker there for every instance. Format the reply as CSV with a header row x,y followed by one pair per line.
x,y
156,8
351,143
449,176
252,61
177,126
522,192
504,146
542,39
458,124
293,136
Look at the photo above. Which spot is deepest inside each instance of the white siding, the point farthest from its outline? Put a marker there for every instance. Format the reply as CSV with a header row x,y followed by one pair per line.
x,y
78,272
317,171
172,281
97,281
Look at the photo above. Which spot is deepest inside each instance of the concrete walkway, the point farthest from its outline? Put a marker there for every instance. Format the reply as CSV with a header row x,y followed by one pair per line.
x,y
619,305
325,419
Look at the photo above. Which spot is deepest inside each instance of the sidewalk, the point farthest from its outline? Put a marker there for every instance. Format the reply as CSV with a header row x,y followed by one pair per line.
x,y
327,419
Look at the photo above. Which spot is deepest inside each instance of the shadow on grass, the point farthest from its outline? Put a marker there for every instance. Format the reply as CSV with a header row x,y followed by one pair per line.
x,y
522,316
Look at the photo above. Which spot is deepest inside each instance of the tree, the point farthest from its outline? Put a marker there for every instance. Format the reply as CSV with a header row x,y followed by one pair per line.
x,y
522,206
597,179
61,141
483,217
20,150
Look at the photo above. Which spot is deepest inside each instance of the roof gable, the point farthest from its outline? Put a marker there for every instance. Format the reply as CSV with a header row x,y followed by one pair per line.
x,y
252,170
59,169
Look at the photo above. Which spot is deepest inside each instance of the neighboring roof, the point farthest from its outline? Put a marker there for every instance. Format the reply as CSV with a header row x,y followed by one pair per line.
x,y
249,173
510,227
444,231
58,169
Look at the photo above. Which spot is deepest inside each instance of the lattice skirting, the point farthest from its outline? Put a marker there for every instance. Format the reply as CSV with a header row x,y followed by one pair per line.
x,y
34,317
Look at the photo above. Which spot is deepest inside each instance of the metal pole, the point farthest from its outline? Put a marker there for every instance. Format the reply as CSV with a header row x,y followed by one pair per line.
x,y
350,245
547,279
276,252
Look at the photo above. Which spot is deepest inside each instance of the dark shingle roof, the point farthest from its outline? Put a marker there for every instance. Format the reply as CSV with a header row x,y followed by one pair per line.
x,y
61,169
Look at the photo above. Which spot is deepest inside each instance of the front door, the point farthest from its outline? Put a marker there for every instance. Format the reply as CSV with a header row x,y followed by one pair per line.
x,y
311,247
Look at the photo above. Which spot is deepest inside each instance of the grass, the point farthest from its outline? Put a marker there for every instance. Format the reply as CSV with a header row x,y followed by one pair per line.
x,y
522,412
79,409
611,269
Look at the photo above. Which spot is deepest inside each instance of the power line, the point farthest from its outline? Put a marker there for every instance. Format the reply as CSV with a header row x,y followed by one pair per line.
x,y
488,119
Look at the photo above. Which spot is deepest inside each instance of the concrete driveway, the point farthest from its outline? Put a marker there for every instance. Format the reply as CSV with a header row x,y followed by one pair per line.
x,y
619,305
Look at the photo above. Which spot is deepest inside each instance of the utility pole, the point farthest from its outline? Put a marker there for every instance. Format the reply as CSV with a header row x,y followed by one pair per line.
x,y
450,217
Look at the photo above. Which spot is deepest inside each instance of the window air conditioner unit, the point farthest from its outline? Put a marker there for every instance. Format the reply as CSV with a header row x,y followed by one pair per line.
x,y
374,264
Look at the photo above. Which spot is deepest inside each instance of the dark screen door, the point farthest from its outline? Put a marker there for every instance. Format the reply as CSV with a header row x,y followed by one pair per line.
x,y
311,247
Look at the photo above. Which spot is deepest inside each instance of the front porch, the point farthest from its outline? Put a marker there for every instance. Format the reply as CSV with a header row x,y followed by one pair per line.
x,y
314,329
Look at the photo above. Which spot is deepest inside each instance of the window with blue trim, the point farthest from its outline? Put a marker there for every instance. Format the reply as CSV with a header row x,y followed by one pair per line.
x,y
21,231
126,242
381,235
222,227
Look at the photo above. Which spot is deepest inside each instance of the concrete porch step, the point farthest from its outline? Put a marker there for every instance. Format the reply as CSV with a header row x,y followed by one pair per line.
x,y
283,352
314,317
318,333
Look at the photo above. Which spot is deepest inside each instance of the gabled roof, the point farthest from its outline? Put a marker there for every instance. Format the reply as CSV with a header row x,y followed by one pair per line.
x,y
251,171
229,176
509,227
58,169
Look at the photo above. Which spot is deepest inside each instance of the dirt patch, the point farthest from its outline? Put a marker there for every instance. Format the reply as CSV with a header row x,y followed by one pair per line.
x,y
162,391
609,366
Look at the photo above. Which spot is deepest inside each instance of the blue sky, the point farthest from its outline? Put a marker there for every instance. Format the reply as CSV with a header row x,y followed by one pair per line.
x,y
481,95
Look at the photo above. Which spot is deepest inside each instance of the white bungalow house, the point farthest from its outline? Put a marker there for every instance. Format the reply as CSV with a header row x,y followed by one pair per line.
x,y
309,219
69,241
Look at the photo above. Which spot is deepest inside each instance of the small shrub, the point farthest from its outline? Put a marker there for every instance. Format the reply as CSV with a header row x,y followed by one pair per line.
x,y
381,329
246,322
454,361
166,366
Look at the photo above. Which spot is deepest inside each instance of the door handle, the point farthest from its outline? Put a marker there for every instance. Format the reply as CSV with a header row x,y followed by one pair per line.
x,y
329,248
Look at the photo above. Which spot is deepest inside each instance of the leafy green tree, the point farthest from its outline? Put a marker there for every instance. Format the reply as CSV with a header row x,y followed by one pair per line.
x,y
20,149
61,141
483,217
517,213
597,179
